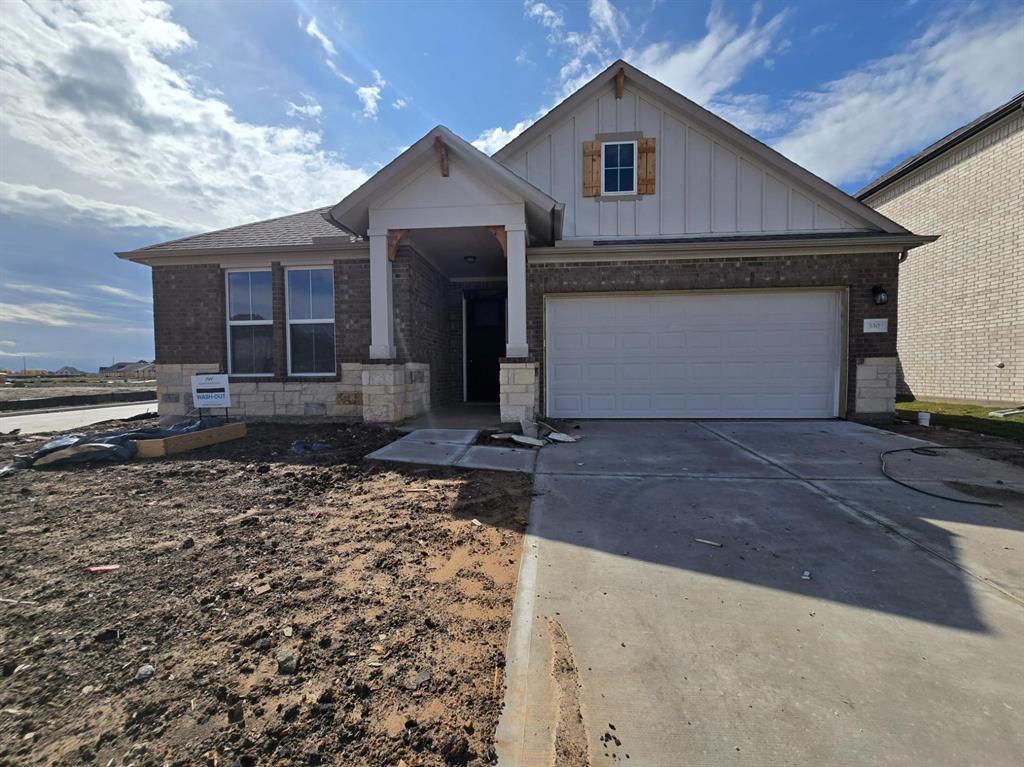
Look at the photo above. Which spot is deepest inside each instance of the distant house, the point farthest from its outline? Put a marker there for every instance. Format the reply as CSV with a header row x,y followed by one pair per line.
x,y
140,369
962,297
68,371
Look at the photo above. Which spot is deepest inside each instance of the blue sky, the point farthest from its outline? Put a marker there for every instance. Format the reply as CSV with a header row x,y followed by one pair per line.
x,y
128,123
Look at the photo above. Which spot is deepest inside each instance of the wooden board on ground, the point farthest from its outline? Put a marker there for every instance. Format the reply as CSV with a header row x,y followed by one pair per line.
x,y
154,448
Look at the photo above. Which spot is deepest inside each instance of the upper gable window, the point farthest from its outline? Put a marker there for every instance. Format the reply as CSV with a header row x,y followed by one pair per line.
x,y
618,167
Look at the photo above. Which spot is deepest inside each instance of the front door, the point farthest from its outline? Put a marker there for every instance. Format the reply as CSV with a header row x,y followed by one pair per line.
x,y
485,344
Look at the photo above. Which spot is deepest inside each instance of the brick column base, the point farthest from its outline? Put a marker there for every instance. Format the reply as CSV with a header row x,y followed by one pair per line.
x,y
520,392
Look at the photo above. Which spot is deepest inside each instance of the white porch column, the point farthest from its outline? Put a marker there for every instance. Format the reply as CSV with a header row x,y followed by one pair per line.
x,y
382,316
516,257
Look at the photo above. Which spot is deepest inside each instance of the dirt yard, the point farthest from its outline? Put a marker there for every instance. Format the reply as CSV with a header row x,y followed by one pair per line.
x,y
269,609
44,389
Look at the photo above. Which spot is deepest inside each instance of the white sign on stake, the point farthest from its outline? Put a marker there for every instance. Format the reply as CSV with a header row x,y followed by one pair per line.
x,y
211,390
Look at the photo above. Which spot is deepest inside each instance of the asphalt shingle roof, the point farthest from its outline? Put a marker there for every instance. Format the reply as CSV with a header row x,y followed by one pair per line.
x,y
295,229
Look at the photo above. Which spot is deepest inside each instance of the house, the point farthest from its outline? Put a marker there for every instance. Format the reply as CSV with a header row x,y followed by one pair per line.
x,y
962,298
68,371
140,369
630,255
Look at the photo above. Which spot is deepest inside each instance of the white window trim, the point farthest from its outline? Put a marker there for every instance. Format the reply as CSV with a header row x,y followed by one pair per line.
x,y
229,323
605,192
288,322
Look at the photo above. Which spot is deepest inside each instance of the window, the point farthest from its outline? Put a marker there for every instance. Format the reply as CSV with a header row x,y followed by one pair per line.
x,y
310,298
250,324
618,167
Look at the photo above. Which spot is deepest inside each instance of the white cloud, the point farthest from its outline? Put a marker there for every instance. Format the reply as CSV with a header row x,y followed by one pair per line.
x,y
93,104
369,95
60,207
55,315
313,30
26,287
8,343
127,295
311,109
704,69
5,353
334,68
607,18
399,104
858,125
545,14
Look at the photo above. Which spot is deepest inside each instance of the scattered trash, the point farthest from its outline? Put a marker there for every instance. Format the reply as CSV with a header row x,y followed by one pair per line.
x,y
557,436
1007,412
145,672
477,523
522,439
103,568
107,446
530,428
806,576
708,543
263,588
502,435
301,448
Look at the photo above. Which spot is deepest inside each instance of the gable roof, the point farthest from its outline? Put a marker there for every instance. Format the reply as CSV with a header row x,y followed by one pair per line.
x,y
943,145
709,122
543,212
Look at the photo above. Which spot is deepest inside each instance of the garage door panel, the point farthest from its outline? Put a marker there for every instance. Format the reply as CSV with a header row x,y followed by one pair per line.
x,y
750,354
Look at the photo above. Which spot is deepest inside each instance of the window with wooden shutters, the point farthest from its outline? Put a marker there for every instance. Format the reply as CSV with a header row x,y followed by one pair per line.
x,y
645,166
591,168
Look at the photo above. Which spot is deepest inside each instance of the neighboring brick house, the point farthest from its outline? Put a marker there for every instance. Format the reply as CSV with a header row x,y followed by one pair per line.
x,y
962,297
630,255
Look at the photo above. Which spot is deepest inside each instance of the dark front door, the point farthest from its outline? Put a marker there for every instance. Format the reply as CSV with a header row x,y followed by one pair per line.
x,y
485,344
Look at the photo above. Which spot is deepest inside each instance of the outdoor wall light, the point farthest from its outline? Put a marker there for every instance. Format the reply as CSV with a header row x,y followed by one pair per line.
x,y
881,297
469,259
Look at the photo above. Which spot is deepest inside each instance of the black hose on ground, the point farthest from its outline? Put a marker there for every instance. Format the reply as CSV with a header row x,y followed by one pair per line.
x,y
931,451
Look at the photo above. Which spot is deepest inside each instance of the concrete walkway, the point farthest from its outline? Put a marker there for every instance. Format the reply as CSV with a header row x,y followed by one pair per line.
x,y
902,647
73,419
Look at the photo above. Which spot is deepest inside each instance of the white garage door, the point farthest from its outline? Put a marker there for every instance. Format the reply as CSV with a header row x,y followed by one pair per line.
x,y
701,355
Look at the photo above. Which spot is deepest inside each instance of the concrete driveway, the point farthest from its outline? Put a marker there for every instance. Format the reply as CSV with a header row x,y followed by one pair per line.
x,y
631,639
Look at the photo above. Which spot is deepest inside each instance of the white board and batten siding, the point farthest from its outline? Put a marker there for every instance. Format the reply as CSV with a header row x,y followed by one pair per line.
x,y
703,185
743,354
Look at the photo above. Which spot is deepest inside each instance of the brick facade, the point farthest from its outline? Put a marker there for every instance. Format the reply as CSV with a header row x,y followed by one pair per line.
x,y
188,315
962,297
857,272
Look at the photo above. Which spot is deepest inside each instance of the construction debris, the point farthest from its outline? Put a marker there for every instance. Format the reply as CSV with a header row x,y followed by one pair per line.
x,y
1007,412
525,440
708,543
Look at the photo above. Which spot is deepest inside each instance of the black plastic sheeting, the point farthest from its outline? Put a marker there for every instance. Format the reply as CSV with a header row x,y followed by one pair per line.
x,y
107,446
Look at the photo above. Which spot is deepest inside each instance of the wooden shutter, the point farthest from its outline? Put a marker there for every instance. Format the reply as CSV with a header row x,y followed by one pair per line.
x,y
591,168
645,166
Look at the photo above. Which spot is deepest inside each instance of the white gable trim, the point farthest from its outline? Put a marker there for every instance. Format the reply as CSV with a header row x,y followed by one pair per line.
x,y
719,129
357,212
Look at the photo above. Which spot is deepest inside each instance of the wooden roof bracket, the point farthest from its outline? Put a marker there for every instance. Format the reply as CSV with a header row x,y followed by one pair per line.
x,y
620,82
442,154
394,237
502,237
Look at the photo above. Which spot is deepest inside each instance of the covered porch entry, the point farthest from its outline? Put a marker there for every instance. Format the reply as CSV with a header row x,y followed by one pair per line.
x,y
448,229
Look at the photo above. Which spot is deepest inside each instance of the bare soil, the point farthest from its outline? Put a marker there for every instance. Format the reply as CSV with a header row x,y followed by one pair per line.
x,y
294,609
10,393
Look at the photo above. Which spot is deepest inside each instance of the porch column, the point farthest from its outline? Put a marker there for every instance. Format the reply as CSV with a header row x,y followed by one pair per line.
x,y
382,316
516,264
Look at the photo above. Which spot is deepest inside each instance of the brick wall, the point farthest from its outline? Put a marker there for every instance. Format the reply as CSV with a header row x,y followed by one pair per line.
x,y
858,272
422,330
188,315
962,298
352,310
